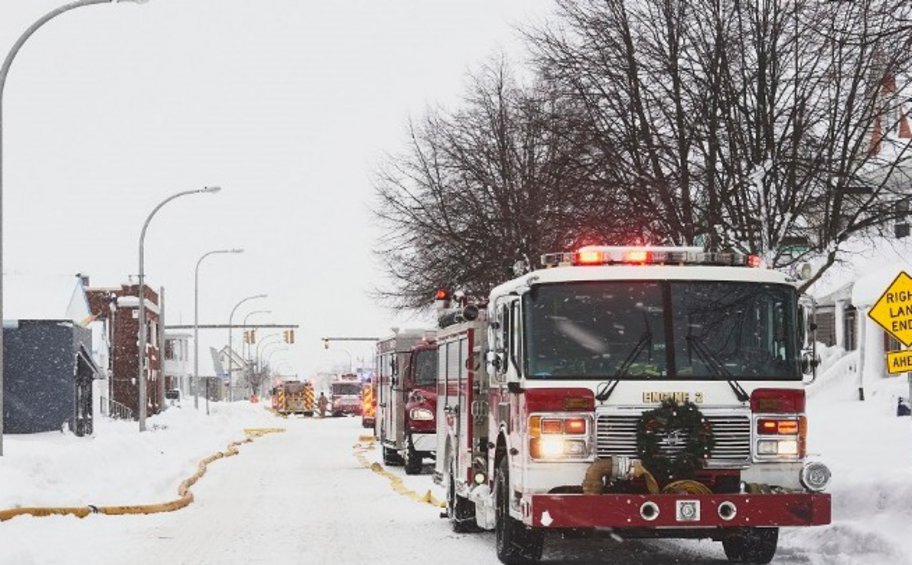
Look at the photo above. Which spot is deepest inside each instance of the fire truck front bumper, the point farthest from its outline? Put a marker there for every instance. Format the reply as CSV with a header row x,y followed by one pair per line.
x,y
675,511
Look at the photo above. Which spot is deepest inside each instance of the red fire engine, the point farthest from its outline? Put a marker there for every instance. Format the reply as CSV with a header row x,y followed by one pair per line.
x,y
406,422
649,392
345,395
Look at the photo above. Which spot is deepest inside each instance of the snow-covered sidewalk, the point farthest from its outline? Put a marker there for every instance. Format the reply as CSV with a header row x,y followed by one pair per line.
x,y
117,465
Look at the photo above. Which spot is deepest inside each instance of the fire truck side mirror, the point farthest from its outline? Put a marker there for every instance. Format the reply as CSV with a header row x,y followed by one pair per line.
x,y
809,362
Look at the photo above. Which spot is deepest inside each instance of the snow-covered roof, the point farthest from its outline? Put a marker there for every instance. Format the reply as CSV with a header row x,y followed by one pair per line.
x,y
864,270
45,297
133,302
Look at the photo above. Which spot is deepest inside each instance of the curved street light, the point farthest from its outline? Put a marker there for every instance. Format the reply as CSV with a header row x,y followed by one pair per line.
x,y
245,328
269,357
196,351
231,344
263,355
4,72
266,340
141,297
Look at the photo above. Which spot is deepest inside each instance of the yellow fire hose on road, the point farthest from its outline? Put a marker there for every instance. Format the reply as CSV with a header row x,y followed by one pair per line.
x,y
185,497
365,444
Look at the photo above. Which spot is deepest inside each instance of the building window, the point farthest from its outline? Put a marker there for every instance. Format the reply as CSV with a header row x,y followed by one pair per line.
x,y
169,349
851,329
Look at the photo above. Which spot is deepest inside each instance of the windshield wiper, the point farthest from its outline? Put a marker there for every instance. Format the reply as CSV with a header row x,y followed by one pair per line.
x,y
718,369
605,389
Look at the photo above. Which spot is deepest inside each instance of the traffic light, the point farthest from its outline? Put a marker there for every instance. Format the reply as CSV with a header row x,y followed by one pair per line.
x,y
288,336
325,344
249,336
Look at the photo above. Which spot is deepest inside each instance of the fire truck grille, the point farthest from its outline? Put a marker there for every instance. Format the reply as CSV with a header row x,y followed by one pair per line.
x,y
616,435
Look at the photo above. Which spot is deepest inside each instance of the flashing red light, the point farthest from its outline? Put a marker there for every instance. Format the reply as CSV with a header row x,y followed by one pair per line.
x,y
753,261
442,294
638,256
590,257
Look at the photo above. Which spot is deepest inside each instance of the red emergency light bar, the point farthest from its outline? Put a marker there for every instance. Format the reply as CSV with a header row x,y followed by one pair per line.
x,y
648,256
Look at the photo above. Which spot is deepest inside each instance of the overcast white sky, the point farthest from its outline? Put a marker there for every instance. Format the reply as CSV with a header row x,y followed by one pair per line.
x,y
286,104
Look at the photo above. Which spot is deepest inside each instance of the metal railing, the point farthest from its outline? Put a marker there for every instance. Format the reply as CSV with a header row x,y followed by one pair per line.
x,y
114,409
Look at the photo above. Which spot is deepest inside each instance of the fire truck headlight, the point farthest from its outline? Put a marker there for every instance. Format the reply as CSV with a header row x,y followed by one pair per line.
x,y
557,448
550,448
421,414
787,448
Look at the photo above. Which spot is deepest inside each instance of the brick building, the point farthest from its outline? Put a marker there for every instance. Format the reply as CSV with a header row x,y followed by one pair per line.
x,y
118,308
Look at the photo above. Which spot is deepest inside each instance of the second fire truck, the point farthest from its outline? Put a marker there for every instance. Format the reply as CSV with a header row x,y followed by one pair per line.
x,y
406,419
647,392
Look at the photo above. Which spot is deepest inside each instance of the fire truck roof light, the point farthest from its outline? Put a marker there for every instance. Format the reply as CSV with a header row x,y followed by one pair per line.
x,y
638,257
648,255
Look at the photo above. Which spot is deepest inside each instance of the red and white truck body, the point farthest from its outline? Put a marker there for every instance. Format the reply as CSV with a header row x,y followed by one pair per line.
x,y
547,396
345,395
406,376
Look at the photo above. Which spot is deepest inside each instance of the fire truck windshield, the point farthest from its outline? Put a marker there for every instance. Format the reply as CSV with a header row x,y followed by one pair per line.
x,y
426,367
346,389
662,330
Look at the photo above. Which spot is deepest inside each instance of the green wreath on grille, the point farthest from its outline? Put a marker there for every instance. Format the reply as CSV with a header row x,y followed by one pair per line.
x,y
684,421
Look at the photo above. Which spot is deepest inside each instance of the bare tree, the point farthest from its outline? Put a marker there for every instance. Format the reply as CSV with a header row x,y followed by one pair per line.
x,y
763,126
256,376
486,189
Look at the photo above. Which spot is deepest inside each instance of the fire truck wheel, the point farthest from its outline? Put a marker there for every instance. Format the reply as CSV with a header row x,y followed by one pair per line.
x,y
391,457
460,510
751,545
516,544
413,460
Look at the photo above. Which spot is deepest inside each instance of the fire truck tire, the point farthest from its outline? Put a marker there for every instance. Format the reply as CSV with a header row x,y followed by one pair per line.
x,y
412,461
460,510
391,457
751,545
516,544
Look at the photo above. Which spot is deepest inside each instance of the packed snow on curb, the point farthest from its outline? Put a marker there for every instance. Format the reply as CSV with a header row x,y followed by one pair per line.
x,y
117,465
869,451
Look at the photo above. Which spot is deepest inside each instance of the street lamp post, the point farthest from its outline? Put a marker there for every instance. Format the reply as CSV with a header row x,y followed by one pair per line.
x,y
263,342
273,352
262,357
245,329
267,366
141,295
4,71
231,345
196,274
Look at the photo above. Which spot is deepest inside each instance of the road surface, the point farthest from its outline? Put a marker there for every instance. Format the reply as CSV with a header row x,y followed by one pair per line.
x,y
302,497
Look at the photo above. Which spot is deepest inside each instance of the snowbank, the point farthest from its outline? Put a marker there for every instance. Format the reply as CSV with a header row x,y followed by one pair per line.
x,y
118,465
869,450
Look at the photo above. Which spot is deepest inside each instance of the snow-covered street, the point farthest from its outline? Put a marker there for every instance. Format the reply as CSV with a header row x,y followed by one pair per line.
x,y
302,497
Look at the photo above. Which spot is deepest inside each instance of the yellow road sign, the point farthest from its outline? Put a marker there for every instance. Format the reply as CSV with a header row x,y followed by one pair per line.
x,y
899,362
893,310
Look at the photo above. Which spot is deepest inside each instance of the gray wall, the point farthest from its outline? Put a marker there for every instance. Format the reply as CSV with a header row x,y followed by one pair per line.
x,y
39,381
